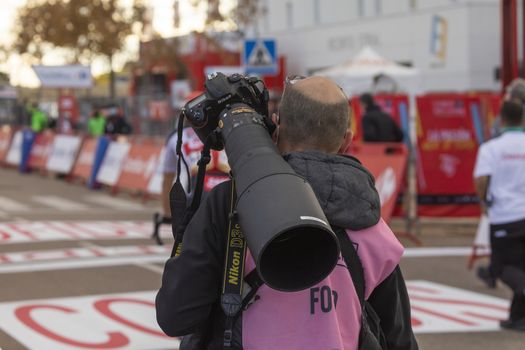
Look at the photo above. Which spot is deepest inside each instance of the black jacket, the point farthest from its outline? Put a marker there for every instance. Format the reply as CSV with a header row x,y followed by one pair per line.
x,y
378,126
188,300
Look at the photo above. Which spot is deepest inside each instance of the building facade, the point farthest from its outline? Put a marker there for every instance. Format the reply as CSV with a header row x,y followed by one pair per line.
x,y
455,44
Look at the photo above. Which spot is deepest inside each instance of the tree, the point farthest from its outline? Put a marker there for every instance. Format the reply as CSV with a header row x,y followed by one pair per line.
x,y
220,13
84,28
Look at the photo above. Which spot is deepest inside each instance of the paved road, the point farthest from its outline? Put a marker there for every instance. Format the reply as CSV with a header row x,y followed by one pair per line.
x,y
78,271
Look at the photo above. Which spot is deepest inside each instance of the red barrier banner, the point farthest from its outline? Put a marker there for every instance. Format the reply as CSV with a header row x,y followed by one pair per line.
x,y
395,105
85,159
387,162
40,150
139,166
448,137
6,133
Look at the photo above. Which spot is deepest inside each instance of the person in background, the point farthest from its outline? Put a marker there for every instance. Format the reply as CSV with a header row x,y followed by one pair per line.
x,y
116,124
38,118
500,186
96,124
377,125
514,91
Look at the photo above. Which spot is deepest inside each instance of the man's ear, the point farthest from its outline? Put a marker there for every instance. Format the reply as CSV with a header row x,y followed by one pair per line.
x,y
347,141
275,120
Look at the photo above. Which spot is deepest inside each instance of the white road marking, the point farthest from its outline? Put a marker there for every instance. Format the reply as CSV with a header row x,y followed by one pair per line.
x,y
114,203
8,204
86,322
83,263
59,203
150,267
40,231
441,251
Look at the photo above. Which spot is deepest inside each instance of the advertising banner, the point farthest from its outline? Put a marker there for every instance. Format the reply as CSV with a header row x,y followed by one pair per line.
x,y
139,166
109,171
67,76
396,106
40,150
14,155
387,162
63,153
490,106
448,135
6,134
28,137
85,160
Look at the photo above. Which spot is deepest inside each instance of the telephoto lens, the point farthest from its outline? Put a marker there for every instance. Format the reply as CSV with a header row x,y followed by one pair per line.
x,y
286,230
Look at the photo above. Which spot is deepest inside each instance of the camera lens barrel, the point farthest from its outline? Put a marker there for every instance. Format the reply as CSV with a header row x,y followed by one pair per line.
x,y
286,230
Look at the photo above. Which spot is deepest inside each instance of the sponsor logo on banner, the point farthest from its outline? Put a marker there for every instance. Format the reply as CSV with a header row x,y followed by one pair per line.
x,y
63,153
111,165
448,164
112,321
14,156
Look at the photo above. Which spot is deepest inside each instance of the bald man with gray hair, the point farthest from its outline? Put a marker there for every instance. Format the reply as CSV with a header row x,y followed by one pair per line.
x,y
314,114
312,134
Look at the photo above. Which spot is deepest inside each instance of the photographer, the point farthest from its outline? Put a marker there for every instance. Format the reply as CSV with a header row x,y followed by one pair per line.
x,y
312,129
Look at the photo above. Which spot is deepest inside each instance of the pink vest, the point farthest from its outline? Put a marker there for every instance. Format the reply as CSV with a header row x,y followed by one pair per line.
x,y
326,316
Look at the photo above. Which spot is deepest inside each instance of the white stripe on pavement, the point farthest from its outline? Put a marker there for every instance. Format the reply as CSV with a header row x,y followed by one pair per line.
x,y
441,251
59,203
87,263
8,204
114,203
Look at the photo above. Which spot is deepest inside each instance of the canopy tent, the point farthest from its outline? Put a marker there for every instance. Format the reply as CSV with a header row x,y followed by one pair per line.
x,y
367,69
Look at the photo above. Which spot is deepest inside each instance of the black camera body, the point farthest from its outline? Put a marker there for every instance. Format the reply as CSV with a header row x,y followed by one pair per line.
x,y
288,235
222,91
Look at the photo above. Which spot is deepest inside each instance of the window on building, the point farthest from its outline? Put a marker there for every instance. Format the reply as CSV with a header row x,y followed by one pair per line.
x,y
317,11
379,7
361,8
289,15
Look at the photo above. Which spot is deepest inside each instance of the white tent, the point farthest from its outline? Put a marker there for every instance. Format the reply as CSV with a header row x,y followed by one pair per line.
x,y
357,75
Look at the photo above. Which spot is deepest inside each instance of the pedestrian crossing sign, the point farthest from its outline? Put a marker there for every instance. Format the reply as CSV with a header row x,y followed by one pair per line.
x,y
260,57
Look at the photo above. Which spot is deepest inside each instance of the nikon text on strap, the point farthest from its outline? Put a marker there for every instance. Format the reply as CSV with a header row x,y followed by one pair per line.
x,y
231,296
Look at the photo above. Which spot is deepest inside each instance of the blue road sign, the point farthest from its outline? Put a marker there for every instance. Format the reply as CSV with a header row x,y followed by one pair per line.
x,y
260,57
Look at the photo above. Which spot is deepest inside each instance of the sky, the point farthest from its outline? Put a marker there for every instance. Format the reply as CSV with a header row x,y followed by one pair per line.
x,y
21,72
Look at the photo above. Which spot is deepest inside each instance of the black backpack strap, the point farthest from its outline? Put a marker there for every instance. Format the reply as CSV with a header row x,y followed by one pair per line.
x,y
353,263
371,336
231,296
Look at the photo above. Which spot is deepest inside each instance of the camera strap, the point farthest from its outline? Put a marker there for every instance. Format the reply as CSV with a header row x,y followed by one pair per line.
x,y
197,194
231,296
